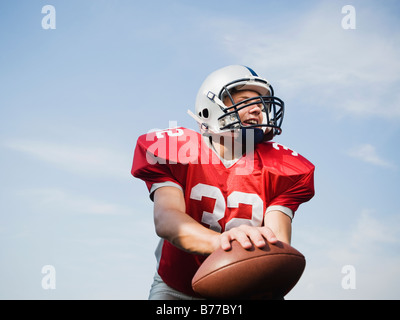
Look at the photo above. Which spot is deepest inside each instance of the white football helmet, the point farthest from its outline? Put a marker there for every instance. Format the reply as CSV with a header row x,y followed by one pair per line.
x,y
215,117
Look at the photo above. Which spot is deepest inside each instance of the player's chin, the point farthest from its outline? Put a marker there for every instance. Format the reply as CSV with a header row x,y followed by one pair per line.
x,y
251,127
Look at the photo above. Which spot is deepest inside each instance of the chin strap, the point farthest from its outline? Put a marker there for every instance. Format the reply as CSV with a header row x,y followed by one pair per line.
x,y
204,128
256,133
198,120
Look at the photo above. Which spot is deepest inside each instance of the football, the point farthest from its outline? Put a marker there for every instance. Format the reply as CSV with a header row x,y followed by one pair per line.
x,y
257,273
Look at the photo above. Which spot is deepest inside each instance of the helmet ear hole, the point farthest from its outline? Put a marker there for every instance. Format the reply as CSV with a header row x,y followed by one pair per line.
x,y
205,113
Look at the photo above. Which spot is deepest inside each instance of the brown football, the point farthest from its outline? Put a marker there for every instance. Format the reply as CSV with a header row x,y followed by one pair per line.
x,y
267,273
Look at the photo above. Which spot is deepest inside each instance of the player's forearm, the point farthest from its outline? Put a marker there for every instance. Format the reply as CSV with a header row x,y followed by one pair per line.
x,y
184,232
173,224
280,224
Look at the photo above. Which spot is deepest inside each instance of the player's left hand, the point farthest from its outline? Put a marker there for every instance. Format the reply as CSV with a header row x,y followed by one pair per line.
x,y
247,236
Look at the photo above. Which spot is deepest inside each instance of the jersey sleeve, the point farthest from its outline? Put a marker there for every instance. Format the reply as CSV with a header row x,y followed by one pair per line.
x,y
294,191
151,173
156,160
291,178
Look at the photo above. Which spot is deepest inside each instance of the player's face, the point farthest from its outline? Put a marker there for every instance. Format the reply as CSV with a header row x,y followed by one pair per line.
x,y
250,115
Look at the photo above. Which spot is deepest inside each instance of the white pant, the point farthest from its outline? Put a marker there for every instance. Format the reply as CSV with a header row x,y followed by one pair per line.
x,y
161,291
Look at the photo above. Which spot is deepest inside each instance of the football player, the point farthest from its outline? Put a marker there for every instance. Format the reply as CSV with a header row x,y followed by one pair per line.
x,y
228,182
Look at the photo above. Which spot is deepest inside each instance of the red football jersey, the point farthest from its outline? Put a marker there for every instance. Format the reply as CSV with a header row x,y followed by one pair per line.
x,y
218,194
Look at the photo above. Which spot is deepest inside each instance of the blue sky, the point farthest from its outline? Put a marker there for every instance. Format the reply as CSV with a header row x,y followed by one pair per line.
x,y
74,100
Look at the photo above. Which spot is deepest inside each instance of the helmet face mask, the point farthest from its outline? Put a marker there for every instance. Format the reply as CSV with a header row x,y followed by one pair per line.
x,y
271,108
217,116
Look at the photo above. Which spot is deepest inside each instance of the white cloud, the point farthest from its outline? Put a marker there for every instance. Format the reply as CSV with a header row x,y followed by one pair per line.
x,y
368,153
370,246
317,62
59,200
80,159
371,230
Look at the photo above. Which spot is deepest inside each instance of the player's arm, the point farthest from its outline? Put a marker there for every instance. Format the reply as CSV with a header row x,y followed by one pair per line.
x,y
173,224
280,224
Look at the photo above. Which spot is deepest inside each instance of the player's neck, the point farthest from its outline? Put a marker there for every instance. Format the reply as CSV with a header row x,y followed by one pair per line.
x,y
229,148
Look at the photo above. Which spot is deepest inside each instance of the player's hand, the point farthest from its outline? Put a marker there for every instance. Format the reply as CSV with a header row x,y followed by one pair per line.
x,y
247,236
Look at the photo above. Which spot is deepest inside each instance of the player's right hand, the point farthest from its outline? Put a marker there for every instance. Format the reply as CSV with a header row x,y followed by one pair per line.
x,y
247,236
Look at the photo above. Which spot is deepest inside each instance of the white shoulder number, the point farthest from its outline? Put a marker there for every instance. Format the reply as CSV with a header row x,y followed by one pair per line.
x,y
276,146
170,132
